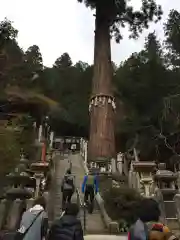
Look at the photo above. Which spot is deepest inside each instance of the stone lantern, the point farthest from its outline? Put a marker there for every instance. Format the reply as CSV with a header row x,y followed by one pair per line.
x,y
40,167
24,161
18,193
29,172
21,167
21,180
40,170
144,171
165,180
17,197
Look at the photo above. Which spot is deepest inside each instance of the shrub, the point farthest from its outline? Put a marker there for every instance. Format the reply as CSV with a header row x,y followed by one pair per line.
x,y
122,204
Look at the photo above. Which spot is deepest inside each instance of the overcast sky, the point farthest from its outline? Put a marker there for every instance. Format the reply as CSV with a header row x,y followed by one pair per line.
x,y
59,26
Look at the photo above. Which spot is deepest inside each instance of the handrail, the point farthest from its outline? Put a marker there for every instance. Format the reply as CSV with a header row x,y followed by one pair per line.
x,y
70,164
79,198
81,205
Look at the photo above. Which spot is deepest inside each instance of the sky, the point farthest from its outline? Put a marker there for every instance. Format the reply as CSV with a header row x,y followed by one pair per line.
x,y
59,26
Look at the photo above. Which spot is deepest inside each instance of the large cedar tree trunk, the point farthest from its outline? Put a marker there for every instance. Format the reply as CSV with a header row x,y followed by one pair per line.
x,y
102,140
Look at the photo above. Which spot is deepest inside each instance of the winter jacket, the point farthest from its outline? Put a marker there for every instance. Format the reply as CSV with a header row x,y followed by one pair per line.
x,y
39,228
66,228
90,180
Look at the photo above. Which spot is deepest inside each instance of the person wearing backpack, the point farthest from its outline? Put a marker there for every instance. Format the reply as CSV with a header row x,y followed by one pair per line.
x,y
34,222
148,226
67,188
68,226
90,188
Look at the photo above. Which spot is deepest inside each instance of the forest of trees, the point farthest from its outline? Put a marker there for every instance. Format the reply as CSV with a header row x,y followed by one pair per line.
x,y
146,88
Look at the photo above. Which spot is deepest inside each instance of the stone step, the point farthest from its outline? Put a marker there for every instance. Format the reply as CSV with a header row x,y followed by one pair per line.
x,y
96,232
58,206
58,195
170,209
176,233
173,224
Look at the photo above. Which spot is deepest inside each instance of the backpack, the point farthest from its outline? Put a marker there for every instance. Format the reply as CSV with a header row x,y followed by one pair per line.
x,y
148,231
90,180
70,181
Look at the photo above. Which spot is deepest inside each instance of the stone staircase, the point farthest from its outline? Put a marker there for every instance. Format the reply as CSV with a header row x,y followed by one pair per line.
x,y
93,222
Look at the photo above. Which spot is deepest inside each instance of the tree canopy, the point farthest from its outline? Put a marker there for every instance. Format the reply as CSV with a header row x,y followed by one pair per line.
x,y
120,13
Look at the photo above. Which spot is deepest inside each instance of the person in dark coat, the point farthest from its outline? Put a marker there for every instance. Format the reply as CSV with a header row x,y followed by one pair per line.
x,y
68,227
67,187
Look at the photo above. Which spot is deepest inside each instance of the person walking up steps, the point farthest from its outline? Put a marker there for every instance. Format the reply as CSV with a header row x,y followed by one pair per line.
x,y
90,188
67,227
34,223
67,188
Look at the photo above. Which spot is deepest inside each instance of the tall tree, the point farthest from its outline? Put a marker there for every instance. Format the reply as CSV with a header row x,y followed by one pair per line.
x,y
33,58
7,32
10,53
172,102
63,62
172,33
33,64
110,15
142,83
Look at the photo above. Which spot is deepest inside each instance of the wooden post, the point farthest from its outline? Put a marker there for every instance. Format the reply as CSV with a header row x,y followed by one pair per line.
x,y
120,163
43,156
40,133
51,139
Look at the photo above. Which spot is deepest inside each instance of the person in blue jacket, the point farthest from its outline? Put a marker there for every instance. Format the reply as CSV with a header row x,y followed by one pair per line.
x,y
90,187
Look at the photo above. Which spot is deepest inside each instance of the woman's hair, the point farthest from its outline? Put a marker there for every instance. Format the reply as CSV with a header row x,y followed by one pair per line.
x,y
40,201
149,210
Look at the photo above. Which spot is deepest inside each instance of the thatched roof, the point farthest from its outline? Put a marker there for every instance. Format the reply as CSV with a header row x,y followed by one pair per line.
x,y
26,96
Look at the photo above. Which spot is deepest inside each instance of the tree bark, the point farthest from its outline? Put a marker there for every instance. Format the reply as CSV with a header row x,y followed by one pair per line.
x,y
102,139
